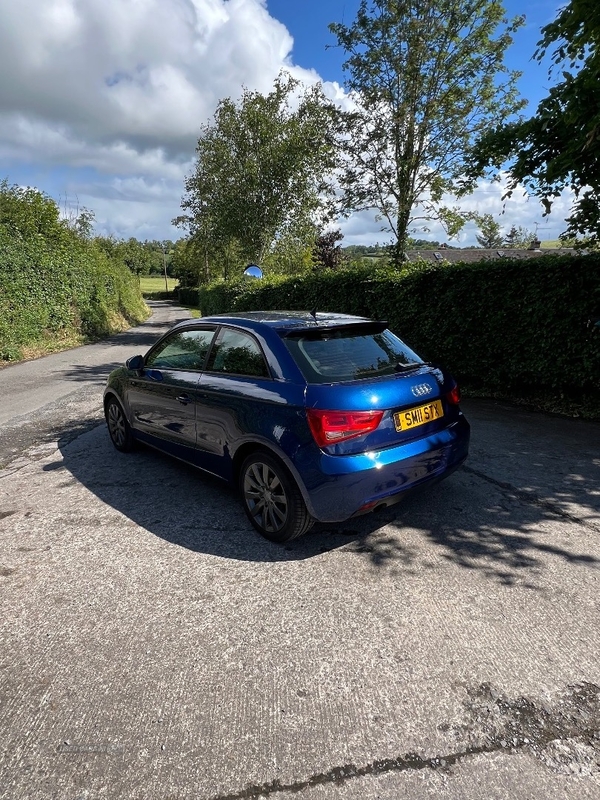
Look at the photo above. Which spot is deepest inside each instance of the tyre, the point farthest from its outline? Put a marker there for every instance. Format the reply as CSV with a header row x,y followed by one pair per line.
x,y
118,427
272,499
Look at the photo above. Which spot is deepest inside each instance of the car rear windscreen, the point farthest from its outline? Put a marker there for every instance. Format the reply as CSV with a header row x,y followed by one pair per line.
x,y
330,356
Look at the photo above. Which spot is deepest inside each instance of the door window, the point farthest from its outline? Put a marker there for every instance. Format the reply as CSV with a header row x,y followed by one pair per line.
x,y
183,350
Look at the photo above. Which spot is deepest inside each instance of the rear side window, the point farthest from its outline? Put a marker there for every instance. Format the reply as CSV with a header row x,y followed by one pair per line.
x,y
333,356
237,353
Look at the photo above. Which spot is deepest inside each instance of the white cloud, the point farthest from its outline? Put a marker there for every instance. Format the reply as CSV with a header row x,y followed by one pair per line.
x,y
519,210
148,72
121,88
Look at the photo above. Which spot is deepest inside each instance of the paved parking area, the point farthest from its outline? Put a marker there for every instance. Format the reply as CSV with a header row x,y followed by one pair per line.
x,y
152,646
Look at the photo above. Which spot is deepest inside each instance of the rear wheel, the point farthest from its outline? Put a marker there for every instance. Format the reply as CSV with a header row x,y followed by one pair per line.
x,y
272,500
118,427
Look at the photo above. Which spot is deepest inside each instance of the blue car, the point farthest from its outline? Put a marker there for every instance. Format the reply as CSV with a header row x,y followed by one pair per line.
x,y
314,416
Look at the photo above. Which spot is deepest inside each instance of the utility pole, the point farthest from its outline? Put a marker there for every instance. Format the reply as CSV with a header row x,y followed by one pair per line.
x,y
165,267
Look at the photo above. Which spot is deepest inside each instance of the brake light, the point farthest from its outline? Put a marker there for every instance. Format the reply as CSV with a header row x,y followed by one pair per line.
x,y
330,427
453,396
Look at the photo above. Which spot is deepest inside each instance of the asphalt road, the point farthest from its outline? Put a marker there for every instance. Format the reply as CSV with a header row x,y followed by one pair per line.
x,y
152,646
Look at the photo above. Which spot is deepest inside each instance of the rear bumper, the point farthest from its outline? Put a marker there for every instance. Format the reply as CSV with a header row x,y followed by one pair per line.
x,y
351,485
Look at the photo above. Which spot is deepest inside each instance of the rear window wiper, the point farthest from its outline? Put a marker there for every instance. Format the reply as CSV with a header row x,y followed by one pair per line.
x,y
400,367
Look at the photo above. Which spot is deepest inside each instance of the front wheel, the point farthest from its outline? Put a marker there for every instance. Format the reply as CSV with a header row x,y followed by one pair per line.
x,y
272,499
118,427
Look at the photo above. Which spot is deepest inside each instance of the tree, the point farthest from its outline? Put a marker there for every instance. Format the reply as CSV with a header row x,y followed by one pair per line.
x,y
291,253
28,213
519,236
327,253
83,223
427,77
135,255
558,147
490,234
186,263
263,165
422,244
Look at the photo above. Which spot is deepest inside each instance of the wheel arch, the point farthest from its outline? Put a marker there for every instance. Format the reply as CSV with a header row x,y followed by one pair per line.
x,y
111,394
248,448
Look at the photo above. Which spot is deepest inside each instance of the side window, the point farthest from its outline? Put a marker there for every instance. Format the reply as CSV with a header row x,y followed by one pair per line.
x,y
237,353
185,350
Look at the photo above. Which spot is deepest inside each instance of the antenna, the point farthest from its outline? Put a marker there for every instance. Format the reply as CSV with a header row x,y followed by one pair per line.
x,y
313,313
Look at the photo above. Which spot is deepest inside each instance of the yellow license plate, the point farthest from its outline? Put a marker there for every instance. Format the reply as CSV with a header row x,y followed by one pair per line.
x,y
421,415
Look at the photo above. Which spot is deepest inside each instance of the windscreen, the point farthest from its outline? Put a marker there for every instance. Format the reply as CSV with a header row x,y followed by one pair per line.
x,y
344,355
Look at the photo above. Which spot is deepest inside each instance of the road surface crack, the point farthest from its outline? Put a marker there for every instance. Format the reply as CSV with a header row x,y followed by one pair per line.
x,y
571,727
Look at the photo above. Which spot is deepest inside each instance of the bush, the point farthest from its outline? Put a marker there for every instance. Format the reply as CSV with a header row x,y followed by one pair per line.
x,y
56,285
188,297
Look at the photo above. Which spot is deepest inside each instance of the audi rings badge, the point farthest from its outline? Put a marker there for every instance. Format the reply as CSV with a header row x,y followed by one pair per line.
x,y
421,389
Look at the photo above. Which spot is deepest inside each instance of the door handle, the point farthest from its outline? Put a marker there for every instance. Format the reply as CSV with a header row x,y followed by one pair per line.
x,y
184,399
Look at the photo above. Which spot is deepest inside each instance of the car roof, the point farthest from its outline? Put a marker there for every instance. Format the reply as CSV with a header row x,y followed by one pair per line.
x,y
283,320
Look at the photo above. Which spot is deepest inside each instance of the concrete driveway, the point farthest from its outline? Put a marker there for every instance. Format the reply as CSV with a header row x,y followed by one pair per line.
x,y
152,646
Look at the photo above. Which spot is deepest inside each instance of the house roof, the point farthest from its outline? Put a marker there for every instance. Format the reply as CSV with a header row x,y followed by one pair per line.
x,y
455,256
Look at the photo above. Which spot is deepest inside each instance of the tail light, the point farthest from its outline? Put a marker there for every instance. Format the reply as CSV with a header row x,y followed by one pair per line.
x,y
453,397
331,427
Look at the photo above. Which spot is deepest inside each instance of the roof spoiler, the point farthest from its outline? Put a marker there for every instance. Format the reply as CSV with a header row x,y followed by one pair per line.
x,y
320,331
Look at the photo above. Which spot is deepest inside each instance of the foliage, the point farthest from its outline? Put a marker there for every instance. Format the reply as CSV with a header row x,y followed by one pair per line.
x,y
187,264
327,253
422,244
498,326
291,253
134,255
490,233
83,223
376,250
160,254
428,78
27,213
262,170
518,236
56,283
558,147
142,258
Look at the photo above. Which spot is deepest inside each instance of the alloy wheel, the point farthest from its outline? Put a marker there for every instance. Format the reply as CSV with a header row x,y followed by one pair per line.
x,y
117,424
265,497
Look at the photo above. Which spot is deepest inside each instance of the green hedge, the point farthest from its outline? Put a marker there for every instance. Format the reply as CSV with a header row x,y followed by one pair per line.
x,y
54,290
506,326
188,297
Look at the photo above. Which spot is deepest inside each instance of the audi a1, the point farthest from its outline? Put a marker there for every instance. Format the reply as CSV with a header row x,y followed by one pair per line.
x,y
314,416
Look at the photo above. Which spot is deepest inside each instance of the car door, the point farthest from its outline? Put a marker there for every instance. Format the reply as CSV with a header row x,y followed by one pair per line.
x,y
163,397
237,396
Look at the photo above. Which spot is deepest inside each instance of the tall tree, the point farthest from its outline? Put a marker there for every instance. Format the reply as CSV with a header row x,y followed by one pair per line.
x,y
291,253
427,77
559,147
263,164
490,234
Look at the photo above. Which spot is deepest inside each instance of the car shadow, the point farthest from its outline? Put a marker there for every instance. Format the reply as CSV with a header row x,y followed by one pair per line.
x,y
465,520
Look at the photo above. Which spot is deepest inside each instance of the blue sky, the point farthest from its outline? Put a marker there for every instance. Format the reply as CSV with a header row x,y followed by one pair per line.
x,y
314,45
101,102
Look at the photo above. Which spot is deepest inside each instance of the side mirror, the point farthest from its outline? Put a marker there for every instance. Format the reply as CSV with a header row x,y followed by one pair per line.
x,y
252,271
135,363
